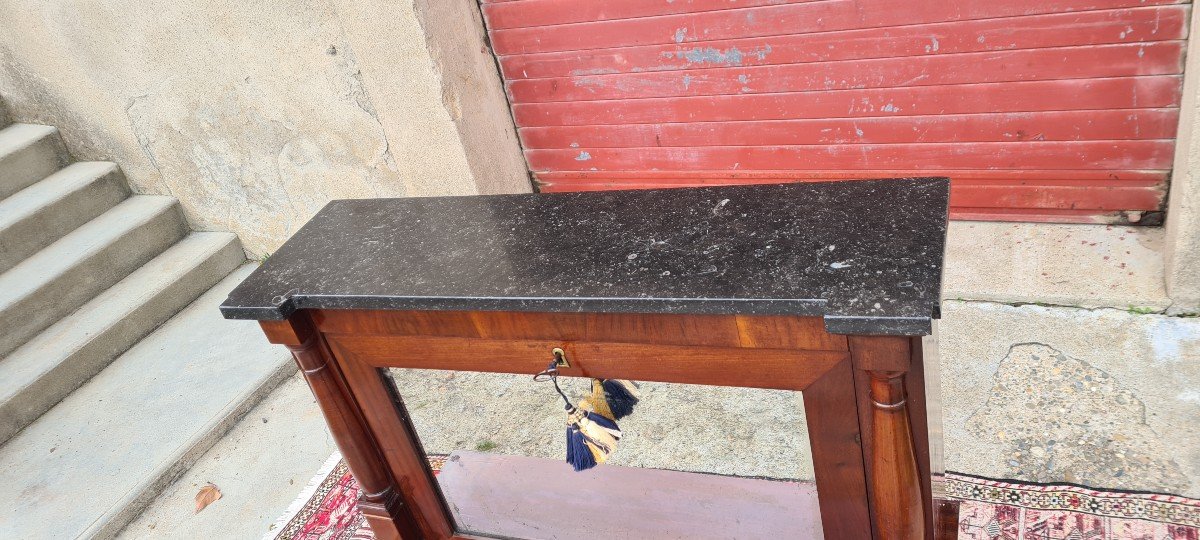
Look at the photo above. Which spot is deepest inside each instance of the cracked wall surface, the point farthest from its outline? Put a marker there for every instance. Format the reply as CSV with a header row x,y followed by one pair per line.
x,y
252,115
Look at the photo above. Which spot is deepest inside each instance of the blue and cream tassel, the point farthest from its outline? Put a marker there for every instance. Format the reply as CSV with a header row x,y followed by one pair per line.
x,y
619,396
591,438
592,432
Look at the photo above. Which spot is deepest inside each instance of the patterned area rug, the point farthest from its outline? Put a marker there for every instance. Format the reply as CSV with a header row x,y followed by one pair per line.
x,y
995,510
327,509
991,510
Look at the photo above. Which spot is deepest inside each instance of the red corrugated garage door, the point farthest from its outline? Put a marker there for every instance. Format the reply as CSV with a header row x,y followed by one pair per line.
x,y
1058,110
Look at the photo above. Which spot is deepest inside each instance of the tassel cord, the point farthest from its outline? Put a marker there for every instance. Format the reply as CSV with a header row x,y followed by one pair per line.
x,y
552,372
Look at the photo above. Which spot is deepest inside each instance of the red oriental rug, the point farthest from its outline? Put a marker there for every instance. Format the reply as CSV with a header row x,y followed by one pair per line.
x,y
991,510
328,508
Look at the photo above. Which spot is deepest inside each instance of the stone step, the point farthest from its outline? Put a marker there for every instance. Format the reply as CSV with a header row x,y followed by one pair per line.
x,y
66,274
57,361
28,153
1016,263
36,216
95,460
261,466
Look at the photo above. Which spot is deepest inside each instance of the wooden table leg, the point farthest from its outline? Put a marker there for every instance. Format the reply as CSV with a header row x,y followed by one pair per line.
x,y
895,490
380,501
918,416
833,430
894,479
946,520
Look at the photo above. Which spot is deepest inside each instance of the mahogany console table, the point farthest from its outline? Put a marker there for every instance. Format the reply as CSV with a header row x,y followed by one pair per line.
x,y
823,288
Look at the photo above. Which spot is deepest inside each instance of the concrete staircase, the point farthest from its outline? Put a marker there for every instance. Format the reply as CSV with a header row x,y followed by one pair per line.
x,y
117,373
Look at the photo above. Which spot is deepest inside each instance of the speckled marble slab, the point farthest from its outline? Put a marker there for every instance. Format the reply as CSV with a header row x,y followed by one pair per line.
x,y
866,255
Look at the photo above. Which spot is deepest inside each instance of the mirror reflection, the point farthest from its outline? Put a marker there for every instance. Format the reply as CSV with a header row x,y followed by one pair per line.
x,y
506,438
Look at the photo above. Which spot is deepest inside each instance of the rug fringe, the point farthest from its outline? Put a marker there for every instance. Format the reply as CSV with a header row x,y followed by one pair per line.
x,y
304,496
1174,510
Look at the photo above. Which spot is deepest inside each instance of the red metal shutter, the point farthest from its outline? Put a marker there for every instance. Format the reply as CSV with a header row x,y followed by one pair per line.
x,y
1047,110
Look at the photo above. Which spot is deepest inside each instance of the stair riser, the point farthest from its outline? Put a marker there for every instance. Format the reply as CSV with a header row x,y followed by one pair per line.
x,y
99,271
24,167
62,216
31,401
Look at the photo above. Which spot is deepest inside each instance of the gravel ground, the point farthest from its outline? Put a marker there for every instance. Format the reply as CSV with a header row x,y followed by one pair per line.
x,y
737,431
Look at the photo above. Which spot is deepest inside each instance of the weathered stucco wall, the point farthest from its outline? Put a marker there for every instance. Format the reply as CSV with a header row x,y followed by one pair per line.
x,y
255,114
1182,254
472,89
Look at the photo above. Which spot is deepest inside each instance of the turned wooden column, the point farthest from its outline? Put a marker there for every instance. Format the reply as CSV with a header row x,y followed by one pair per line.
x,y
896,490
893,476
380,501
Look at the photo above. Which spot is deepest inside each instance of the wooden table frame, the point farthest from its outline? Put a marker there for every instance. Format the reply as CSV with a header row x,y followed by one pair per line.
x,y
864,396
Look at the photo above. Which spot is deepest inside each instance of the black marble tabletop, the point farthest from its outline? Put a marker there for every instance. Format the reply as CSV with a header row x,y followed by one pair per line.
x,y
866,255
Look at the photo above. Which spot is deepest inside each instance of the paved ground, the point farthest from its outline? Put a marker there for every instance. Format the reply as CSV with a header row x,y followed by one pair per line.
x,y
1100,397
260,466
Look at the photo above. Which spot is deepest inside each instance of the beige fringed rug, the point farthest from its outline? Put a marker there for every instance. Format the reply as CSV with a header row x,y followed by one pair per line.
x,y
991,510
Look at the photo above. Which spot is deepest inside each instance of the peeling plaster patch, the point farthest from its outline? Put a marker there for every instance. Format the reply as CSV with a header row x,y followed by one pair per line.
x,y
595,71
1058,419
933,45
687,81
680,34
588,82
1168,334
710,55
583,156
732,56
236,163
143,142
745,80
358,92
